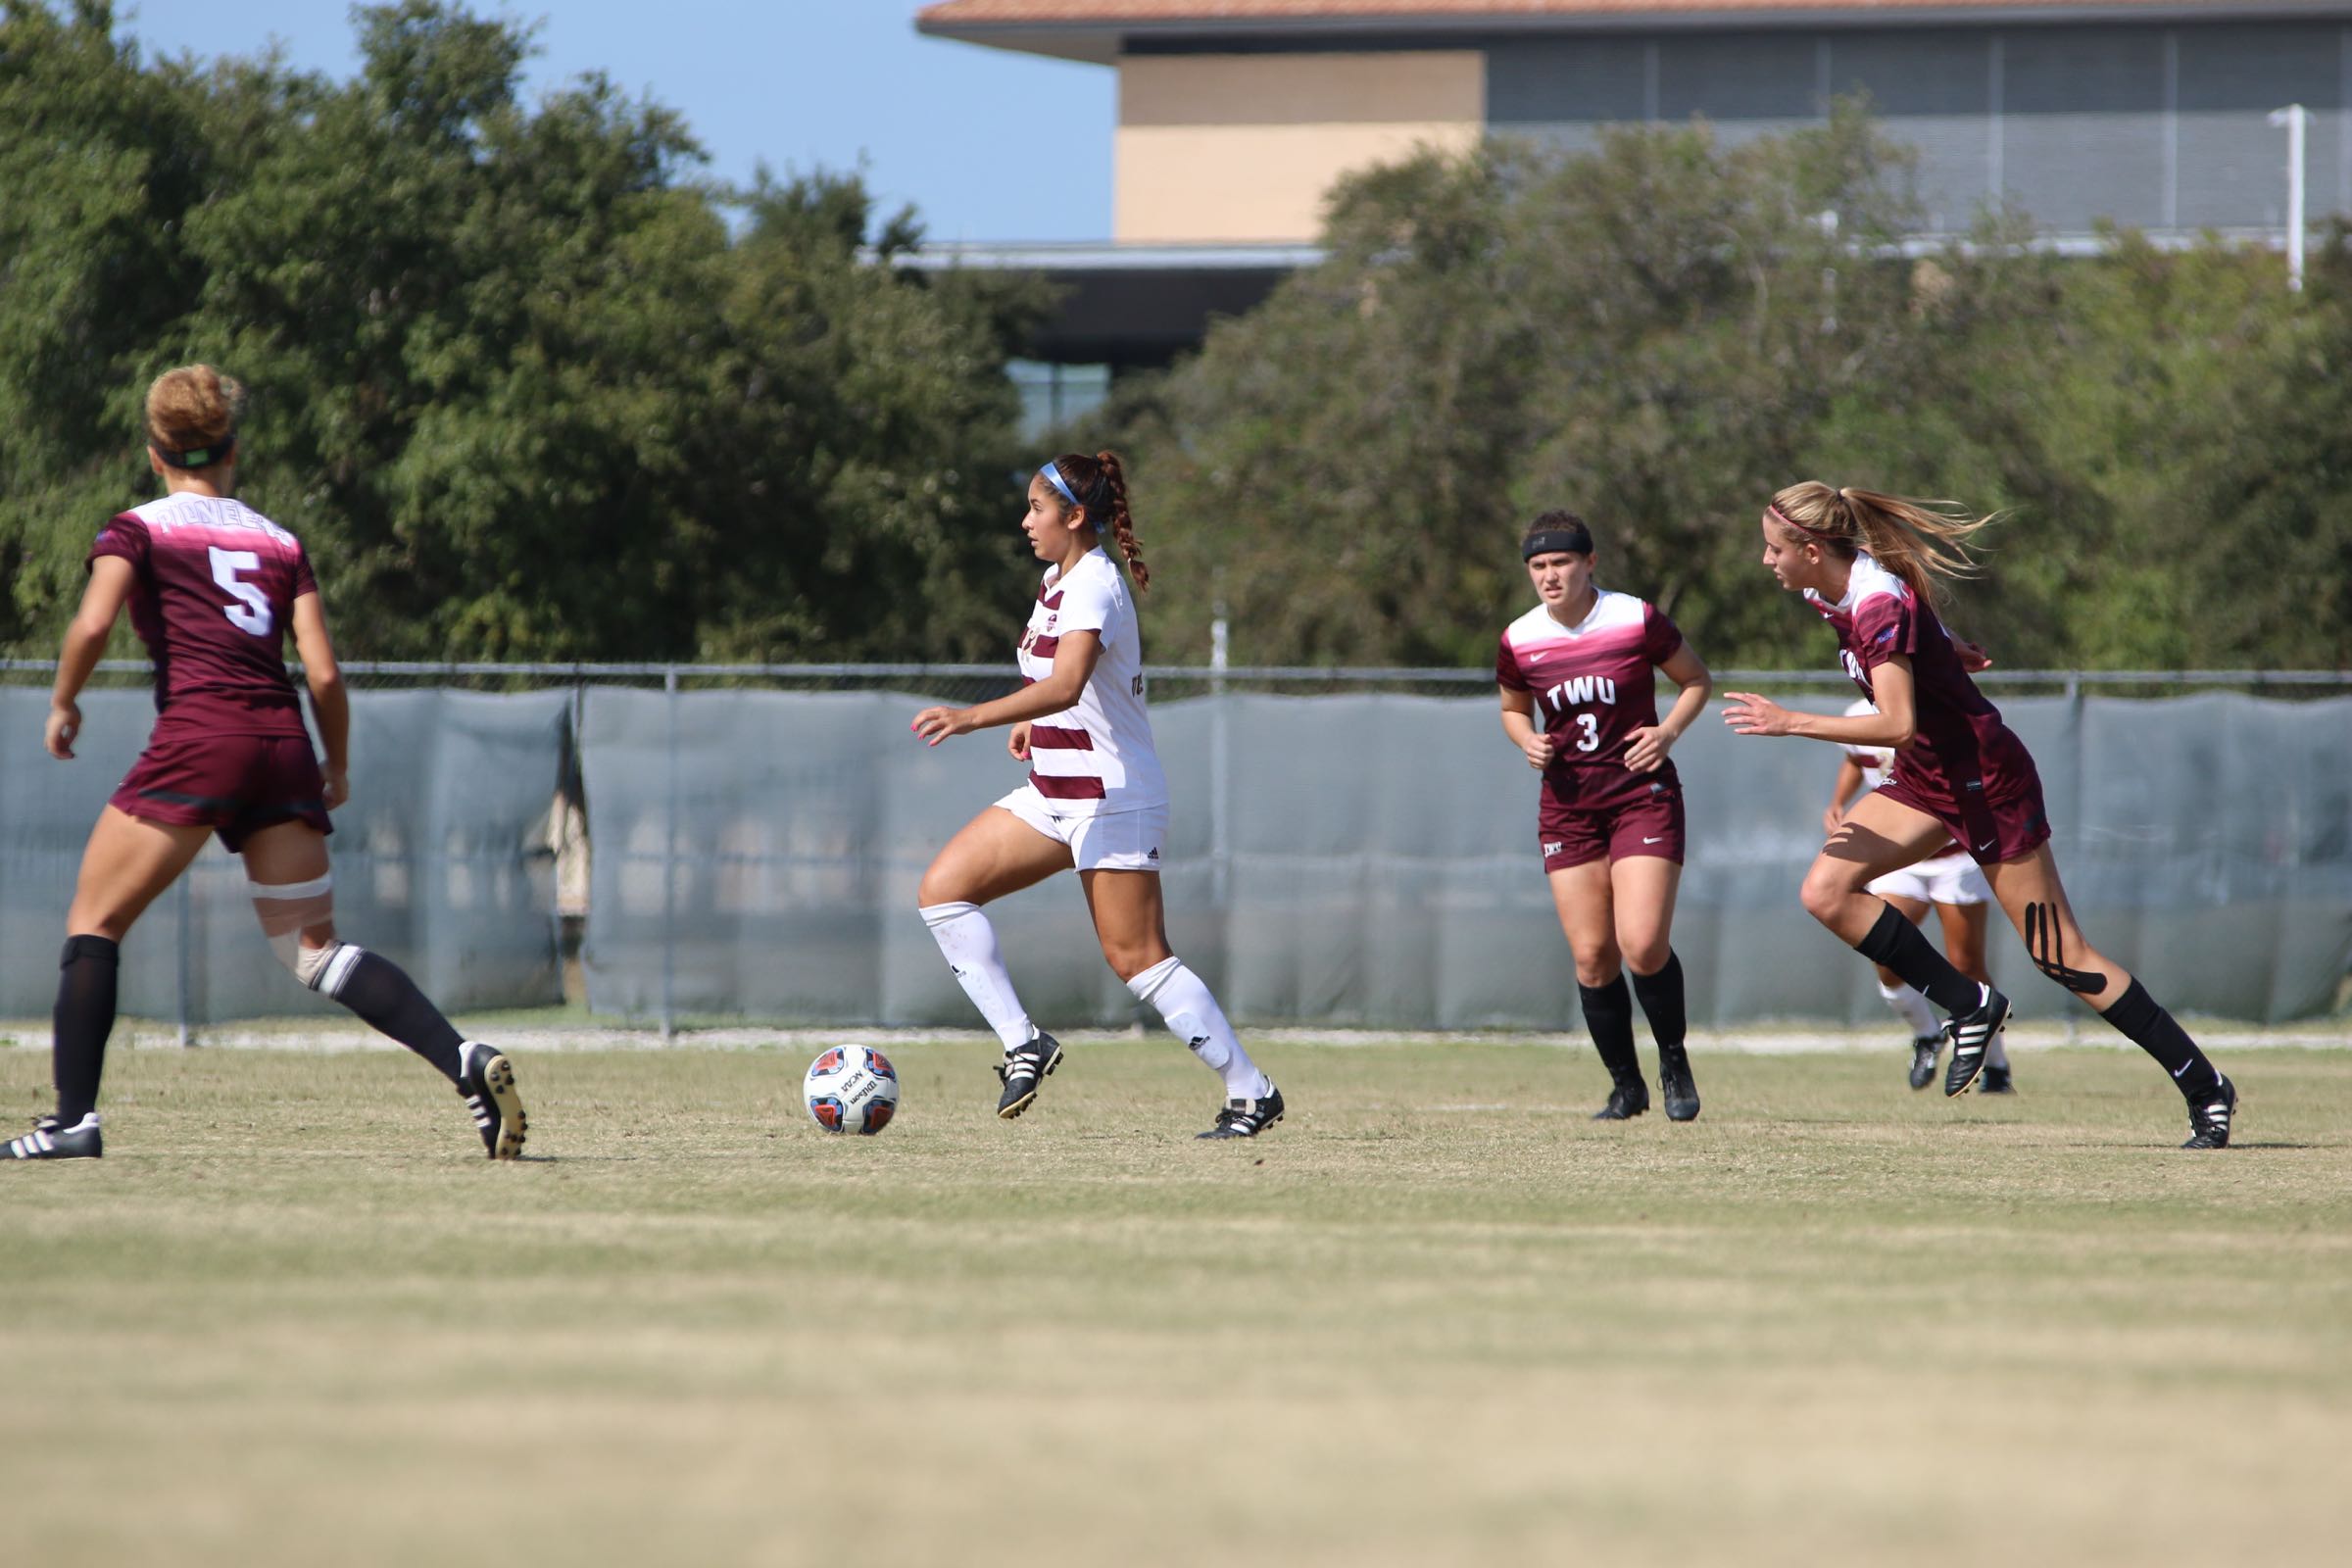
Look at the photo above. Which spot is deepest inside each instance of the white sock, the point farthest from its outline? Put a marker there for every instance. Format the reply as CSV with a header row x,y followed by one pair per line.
x,y
969,944
1913,1008
1196,1018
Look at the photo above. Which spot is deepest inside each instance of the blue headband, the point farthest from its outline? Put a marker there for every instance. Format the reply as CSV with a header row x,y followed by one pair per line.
x,y
1052,476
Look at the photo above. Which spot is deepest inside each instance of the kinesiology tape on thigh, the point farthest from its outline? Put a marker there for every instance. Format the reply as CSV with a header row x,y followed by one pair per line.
x,y
289,909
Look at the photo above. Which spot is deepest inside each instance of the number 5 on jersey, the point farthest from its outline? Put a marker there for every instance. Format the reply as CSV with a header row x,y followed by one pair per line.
x,y
252,614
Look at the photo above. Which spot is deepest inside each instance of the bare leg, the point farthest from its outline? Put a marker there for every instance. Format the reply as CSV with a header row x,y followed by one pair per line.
x,y
127,861
2031,896
1644,885
1584,897
1131,923
994,853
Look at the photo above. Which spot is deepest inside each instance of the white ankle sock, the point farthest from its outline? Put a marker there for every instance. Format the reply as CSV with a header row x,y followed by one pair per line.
x,y
1196,1018
1913,1008
969,944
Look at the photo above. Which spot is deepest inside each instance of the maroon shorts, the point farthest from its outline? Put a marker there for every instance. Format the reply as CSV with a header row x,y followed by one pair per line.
x,y
1989,831
1646,823
233,784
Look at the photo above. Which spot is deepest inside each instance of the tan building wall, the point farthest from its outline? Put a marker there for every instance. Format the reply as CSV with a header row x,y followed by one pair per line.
x,y
1243,147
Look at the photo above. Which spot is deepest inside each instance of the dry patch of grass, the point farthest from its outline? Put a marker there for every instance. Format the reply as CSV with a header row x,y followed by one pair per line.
x,y
1434,1318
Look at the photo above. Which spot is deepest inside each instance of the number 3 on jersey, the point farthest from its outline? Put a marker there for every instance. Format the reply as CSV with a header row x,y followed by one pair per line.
x,y
252,614
1589,740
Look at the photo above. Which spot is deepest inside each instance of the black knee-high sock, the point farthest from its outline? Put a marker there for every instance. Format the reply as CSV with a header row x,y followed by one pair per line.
x,y
1898,945
1661,998
84,1017
2139,1018
379,992
1609,1020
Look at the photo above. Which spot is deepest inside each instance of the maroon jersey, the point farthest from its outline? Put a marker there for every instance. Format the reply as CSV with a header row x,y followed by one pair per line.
x,y
1961,750
1594,684
213,596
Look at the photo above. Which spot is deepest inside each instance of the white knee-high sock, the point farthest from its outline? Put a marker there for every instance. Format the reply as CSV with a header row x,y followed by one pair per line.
x,y
1913,1008
1196,1018
969,944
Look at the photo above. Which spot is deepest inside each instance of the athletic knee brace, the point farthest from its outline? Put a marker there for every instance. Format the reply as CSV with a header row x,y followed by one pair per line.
x,y
286,910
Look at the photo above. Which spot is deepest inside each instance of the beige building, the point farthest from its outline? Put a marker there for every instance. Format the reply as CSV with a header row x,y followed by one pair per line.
x,y
1236,115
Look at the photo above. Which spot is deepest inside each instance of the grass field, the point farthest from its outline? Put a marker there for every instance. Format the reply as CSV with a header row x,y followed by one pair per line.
x,y
1436,1317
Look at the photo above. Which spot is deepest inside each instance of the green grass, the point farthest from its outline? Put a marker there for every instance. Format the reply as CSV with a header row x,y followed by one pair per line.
x,y
1436,1317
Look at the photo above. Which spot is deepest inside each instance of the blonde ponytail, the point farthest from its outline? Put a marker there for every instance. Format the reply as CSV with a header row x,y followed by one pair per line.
x,y
1925,543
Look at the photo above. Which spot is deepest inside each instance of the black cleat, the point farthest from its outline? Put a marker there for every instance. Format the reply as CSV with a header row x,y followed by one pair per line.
x,y
1923,1061
1023,1070
486,1080
1676,1086
1969,1033
1626,1100
1995,1082
49,1140
1247,1118
2209,1124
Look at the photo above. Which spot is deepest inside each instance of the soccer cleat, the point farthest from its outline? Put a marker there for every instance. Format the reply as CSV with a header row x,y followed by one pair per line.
x,y
1626,1100
486,1080
2208,1124
1923,1061
1969,1033
49,1140
1247,1118
1023,1070
1676,1086
1996,1082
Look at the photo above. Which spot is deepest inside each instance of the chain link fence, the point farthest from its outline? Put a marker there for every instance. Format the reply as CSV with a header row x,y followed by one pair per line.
x,y
680,843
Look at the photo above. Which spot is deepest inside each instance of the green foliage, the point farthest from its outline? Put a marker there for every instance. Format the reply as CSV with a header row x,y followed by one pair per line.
x,y
514,379
1659,334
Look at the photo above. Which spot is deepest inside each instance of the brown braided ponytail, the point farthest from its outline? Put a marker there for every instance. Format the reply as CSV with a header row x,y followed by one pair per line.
x,y
1102,488
1922,542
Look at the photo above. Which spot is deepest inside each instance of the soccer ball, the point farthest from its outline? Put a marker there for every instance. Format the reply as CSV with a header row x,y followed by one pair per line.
x,y
852,1090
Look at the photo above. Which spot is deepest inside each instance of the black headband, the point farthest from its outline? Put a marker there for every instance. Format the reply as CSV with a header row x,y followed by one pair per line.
x,y
199,457
1575,540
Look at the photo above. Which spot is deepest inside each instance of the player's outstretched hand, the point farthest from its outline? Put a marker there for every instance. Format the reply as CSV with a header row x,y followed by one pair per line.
x,y
936,724
1018,742
65,723
1973,658
1648,750
1750,715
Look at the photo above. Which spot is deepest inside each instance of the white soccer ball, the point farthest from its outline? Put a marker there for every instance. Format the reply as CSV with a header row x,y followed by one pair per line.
x,y
852,1090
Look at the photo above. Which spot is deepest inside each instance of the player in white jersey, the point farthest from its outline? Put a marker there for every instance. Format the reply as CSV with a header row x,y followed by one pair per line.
x,y
1952,884
1095,799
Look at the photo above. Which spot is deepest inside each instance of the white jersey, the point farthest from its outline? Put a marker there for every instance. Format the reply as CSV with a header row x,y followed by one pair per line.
x,y
1095,757
1876,763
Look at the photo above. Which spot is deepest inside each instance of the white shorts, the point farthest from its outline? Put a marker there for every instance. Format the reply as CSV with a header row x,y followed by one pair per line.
x,y
1944,879
1102,841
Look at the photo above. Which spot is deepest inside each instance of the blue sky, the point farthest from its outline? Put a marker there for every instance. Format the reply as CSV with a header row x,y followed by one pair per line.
x,y
987,145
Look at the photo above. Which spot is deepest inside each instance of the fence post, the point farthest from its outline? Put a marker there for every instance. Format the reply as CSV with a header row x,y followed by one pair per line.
x,y
1220,765
187,946
669,869
2074,808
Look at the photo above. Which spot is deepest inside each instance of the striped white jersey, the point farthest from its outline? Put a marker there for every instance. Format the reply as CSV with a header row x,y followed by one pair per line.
x,y
1095,757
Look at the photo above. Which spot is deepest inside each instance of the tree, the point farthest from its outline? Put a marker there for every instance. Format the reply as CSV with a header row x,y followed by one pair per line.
x,y
514,379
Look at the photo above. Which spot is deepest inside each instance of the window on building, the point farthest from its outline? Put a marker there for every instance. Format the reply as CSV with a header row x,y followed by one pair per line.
x,y
1051,395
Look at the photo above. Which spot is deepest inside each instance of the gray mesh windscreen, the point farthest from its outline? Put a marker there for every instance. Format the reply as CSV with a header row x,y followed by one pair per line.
x,y
1371,860
439,860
